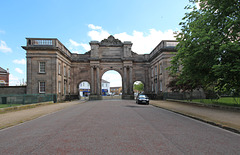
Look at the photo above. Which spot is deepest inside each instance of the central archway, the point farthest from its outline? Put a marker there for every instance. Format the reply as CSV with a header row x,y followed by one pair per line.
x,y
111,82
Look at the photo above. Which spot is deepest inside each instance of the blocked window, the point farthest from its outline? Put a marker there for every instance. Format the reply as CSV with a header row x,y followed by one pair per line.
x,y
69,88
155,70
42,87
160,87
59,87
41,67
59,68
160,68
65,74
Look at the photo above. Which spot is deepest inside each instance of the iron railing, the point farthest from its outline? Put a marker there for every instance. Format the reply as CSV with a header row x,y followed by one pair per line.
x,y
27,98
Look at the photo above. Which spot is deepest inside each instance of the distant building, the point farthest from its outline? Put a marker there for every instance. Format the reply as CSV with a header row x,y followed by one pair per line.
x,y
84,89
116,90
4,77
105,87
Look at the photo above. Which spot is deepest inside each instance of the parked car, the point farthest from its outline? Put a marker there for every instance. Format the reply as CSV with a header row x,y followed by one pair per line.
x,y
142,99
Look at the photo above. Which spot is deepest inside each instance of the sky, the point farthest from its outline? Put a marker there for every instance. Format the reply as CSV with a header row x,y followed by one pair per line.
x,y
77,22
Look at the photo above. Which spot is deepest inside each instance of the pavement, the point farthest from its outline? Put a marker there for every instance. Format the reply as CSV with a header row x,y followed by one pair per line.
x,y
224,118
12,118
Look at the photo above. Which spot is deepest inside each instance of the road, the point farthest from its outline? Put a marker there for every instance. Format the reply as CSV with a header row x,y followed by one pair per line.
x,y
116,127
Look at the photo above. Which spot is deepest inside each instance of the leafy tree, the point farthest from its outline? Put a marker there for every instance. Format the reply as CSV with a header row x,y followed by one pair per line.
x,y
209,46
176,85
138,86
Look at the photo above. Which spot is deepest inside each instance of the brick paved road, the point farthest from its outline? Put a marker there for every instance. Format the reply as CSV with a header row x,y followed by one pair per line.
x,y
116,127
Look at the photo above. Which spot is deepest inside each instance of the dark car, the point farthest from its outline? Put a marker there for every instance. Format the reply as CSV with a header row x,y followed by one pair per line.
x,y
142,99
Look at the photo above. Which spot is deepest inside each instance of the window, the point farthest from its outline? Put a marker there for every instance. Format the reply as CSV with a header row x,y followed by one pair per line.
x,y
59,68
65,74
152,72
68,72
65,85
160,87
41,67
69,88
41,87
59,86
160,68
155,70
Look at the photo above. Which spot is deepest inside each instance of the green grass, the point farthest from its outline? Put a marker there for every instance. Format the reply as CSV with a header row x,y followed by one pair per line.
x,y
8,105
228,101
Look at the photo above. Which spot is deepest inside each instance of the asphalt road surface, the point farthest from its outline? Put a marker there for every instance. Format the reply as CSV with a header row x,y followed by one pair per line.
x,y
116,127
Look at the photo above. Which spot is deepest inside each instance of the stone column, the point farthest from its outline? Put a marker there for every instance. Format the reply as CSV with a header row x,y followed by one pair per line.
x,y
130,80
92,81
98,81
125,79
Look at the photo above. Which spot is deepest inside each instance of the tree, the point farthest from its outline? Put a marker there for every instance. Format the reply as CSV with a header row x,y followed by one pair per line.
x,y
138,86
209,46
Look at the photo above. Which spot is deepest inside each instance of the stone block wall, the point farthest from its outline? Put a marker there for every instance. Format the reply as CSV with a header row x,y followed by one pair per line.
x,y
7,90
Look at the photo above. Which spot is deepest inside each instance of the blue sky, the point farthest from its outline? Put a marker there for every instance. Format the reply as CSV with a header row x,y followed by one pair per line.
x,y
76,22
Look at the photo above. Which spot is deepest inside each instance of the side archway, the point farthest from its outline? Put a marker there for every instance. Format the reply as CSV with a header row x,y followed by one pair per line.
x,y
138,88
84,89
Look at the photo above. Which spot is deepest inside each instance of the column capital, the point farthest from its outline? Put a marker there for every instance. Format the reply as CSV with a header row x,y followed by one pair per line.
x,y
127,67
95,66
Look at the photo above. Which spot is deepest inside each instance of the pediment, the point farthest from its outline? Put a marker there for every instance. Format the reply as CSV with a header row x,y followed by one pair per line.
x,y
111,41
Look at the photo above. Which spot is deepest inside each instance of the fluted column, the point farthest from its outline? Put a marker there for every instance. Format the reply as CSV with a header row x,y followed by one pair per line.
x,y
92,81
130,80
125,79
98,82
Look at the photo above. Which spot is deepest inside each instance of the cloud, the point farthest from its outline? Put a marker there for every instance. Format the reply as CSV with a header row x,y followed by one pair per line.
x,y
4,48
13,81
74,43
86,46
97,34
143,43
19,70
91,26
74,46
22,61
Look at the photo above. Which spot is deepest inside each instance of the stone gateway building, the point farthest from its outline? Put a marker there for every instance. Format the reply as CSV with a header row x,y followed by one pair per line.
x,y
53,69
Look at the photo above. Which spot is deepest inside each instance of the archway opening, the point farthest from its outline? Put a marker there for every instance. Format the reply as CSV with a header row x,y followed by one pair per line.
x,y
138,88
111,85
84,90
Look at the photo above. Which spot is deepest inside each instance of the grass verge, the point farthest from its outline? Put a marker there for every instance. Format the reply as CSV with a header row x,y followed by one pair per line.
x,y
9,105
226,101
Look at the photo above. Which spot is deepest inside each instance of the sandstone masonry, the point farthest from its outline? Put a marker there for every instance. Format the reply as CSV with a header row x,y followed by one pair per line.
x,y
53,69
